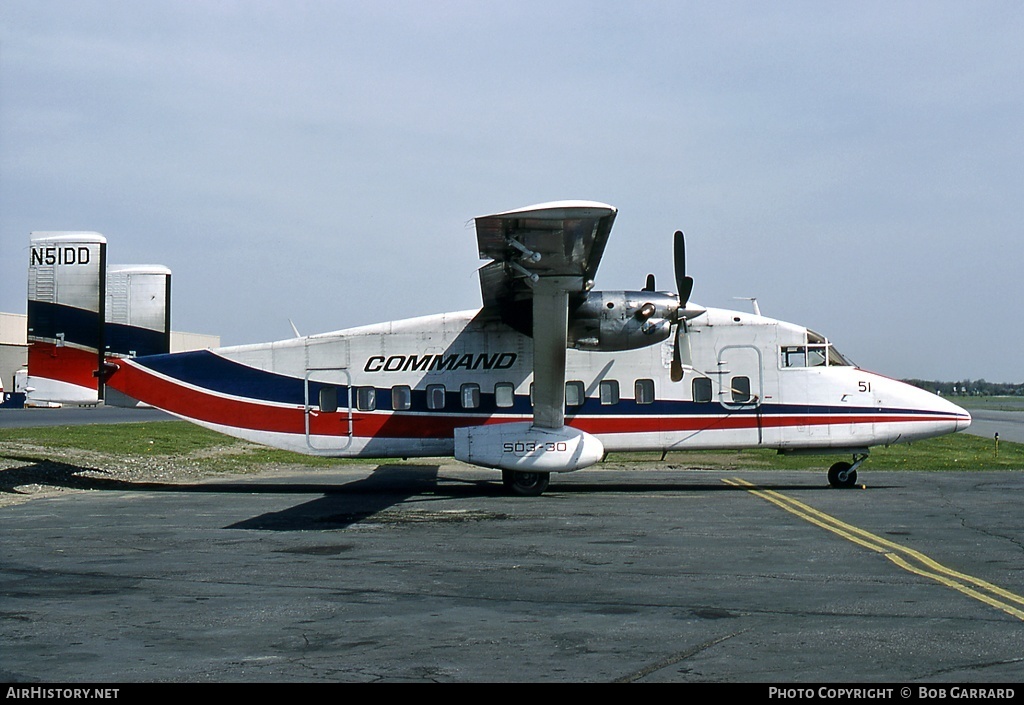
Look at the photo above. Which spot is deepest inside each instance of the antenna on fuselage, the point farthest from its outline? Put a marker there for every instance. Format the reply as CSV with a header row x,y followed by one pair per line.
x,y
752,300
294,329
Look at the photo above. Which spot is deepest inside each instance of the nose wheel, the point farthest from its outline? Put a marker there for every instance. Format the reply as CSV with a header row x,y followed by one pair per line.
x,y
844,475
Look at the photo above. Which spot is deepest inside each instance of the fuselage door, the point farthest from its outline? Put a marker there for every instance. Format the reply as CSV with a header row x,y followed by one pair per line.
x,y
739,369
742,386
328,403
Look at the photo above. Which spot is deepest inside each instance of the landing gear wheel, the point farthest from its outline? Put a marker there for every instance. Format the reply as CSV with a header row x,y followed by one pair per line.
x,y
842,475
525,484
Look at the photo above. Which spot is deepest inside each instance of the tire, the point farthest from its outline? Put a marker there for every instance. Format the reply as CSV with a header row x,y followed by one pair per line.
x,y
525,484
840,475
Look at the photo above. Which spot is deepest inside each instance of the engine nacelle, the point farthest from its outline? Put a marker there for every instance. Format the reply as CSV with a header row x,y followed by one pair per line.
x,y
524,447
622,320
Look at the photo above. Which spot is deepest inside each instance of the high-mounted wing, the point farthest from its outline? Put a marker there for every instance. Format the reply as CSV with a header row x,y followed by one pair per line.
x,y
542,254
559,239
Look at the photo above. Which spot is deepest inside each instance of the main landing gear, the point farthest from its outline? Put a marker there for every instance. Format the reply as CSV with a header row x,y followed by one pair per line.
x,y
526,484
844,475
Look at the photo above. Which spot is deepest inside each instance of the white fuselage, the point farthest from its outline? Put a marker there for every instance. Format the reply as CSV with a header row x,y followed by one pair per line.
x,y
400,389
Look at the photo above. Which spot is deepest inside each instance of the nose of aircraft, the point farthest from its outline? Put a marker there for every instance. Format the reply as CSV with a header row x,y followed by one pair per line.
x,y
947,410
933,415
963,419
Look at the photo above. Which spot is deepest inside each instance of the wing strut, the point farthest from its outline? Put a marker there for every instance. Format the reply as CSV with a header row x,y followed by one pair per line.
x,y
550,323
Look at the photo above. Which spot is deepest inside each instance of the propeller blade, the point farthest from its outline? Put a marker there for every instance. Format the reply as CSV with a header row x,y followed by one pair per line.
x,y
684,284
676,371
679,254
685,289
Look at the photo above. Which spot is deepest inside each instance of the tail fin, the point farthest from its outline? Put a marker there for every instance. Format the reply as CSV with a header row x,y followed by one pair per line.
x,y
138,312
66,302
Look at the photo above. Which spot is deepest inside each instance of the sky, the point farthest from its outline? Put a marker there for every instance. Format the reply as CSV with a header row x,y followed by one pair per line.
x,y
856,166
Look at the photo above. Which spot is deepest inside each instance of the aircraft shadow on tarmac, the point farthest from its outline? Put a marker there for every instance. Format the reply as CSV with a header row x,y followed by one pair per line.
x,y
369,499
339,505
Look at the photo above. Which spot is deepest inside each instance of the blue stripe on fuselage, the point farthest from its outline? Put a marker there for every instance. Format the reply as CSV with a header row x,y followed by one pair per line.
x,y
207,370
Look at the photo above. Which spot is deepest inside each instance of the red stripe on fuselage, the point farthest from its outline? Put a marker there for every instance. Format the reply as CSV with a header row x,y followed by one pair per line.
x,y
200,405
644,424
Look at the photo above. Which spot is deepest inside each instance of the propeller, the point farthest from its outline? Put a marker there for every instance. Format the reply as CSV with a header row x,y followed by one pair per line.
x,y
684,285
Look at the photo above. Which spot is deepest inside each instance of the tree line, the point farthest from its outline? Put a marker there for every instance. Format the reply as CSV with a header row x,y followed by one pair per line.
x,y
969,388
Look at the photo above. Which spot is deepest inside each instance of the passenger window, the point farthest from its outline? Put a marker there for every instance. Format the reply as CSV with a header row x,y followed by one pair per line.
x,y
740,390
609,392
644,389
470,395
401,398
702,390
504,395
366,398
328,400
435,396
574,394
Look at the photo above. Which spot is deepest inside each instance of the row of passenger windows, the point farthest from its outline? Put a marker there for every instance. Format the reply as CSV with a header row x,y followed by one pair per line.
x,y
738,391
365,398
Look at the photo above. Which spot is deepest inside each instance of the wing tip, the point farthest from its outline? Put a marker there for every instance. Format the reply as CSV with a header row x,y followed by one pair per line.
x,y
558,210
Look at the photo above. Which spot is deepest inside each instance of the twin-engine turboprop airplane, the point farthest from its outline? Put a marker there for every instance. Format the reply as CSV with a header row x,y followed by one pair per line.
x,y
549,375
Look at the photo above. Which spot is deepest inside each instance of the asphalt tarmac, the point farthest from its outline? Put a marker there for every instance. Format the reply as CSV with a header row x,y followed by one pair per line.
x,y
429,573
73,416
988,422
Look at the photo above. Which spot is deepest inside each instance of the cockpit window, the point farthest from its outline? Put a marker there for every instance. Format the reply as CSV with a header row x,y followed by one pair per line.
x,y
816,356
836,358
794,356
816,352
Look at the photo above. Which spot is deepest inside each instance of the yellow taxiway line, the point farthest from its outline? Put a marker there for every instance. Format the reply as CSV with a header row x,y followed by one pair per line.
x,y
906,558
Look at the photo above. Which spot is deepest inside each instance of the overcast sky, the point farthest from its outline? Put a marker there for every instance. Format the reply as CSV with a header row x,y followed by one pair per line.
x,y
858,167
